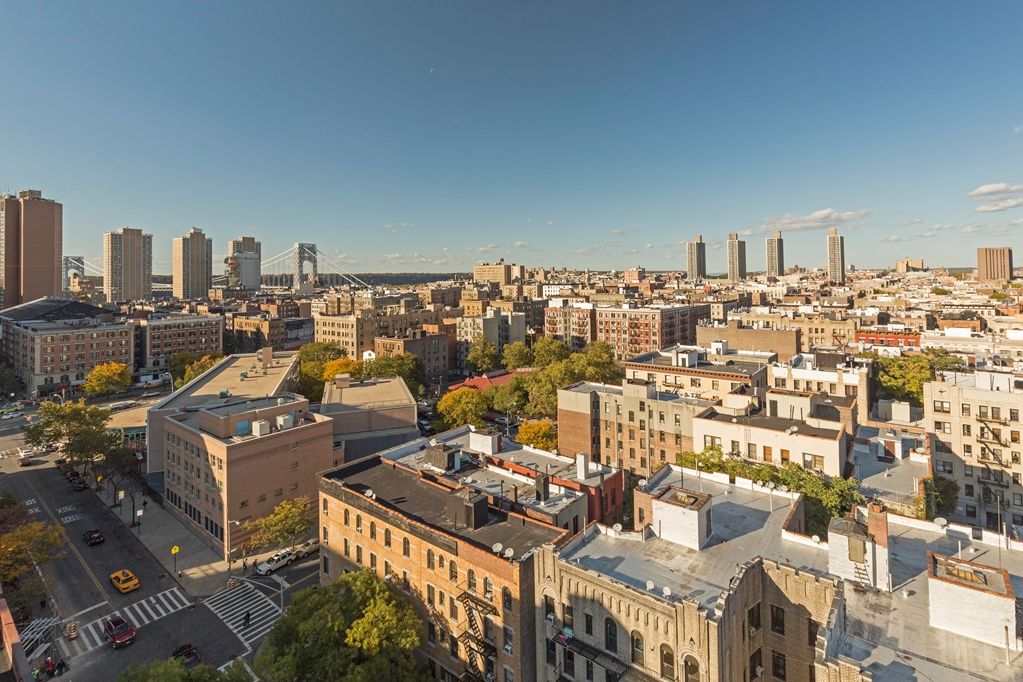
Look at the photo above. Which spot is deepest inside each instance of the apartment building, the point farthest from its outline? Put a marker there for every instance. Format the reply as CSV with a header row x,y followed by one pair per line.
x,y
994,263
252,332
499,273
467,563
127,265
192,265
736,250
709,374
52,343
835,256
234,459
885,339
368,415
31,247
785,343
430,349
534,311
356,332
632,331
574,324
839,376
244,263
497,327
775,246
633,427
444,296
977,442
814,329
696,259
160,336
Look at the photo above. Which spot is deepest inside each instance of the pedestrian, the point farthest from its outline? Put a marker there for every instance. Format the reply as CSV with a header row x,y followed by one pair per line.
x,y
61,667
245,565
246,618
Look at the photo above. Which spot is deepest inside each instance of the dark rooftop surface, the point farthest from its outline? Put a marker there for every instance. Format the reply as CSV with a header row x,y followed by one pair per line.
x,y
52,310
774,423
431,505
656,359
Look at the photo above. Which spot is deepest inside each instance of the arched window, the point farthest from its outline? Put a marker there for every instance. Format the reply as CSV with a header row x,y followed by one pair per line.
x,y
429,559
406,547
358,523
668,663
387,537
453,571
610,635
372,530
471,578
690,667
506,598
488,589
637,647
347,517
324,506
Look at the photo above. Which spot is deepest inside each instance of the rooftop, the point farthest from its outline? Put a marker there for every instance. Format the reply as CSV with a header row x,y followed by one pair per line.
x,y
608,389
728,367
365,393
49,309
761,421
405,492
237,376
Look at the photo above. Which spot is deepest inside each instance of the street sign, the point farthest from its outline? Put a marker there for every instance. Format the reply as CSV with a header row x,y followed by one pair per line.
x,y
99,478
139,513
175,549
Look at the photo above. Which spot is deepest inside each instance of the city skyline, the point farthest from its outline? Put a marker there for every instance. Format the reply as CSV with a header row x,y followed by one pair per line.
x,y
430,138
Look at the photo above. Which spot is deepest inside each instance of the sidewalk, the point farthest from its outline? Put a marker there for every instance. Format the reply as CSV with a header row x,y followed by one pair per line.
x,y
201,570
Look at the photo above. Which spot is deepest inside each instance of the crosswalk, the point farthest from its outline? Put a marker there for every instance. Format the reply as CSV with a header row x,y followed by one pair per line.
x,y
231,605
143,612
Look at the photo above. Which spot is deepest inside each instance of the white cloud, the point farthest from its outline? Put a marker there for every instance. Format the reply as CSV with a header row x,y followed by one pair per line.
x,y
521,245
1001,205
891,238
393,227
817,220
995,189
620,232
648,246
1018,130
485,248
1000,196
585,251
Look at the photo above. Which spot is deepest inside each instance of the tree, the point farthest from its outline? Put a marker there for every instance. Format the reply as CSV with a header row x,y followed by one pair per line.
x,y
194,369
8,381
179,362
23,544
547,351
511,397
943,361
543,386
903,377
107,378
357,629
483,355
540,433
940,291
174,670
78,428
120,466
289,522
517,355
333,368
311,359
599,364
406,366
462,406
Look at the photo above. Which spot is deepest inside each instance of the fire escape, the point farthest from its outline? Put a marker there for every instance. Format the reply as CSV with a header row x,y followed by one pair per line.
x,y
477,648
992,477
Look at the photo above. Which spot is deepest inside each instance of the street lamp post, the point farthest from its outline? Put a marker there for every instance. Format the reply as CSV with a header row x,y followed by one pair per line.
x,y
230,550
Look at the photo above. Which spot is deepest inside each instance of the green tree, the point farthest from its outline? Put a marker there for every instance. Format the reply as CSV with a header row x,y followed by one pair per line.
x,y
483,355
119,467
940,291
539,433
23,544
599,364
194,369
943,361
179,362
543,386
289,522
107,378
333,368
8,381
999,296
547,351
511,397
462,406
174,670
311,359
406,366
517,355
357,629
78,428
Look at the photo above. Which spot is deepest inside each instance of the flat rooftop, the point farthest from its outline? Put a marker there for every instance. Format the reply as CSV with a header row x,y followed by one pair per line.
x,y
413,498
665,396
257,382
761,421
658,359
366,393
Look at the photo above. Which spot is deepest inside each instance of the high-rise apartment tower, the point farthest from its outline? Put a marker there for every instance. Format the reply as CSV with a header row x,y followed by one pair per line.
x,y
775,255
31,249
696,259
836,256
192,265
127,265
736,258
994,263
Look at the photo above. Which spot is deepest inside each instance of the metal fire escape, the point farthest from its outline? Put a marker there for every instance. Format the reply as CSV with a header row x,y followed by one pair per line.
x,y
477,648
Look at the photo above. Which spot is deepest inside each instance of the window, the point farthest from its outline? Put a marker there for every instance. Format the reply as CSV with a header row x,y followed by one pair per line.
x,y
431,594
588,624
967,430
610,635
667,662
966,409
325,563
756,665
387,537
372,530
358,523
346,550
943,427
509,638
569,663
347,517
942,466
777,620
358,554
470,577
753,617
325,506
506,598
637,648
429,559
453,571
942,406
552,652
406,547
324,535
778,665
431,632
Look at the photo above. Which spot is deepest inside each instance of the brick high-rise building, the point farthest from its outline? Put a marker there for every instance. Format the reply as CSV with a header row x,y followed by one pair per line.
x,y
994,263
192,267
31,249
836,256
127,265
696,259
736,258
775,255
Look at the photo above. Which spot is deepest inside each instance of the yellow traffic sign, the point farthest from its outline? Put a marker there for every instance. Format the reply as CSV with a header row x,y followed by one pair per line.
x,y
99,478
175,549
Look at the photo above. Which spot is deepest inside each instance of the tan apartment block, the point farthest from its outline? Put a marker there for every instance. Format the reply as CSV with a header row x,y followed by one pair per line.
x,y
160,337
573,324
127,265
192,265
31,247
784,342
356,332
994,263
430,349
532,309
814,330
466,565
369,415
252,332
691,372
233,460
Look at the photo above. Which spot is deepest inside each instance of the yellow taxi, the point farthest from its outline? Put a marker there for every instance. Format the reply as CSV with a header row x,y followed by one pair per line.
x,y
125,581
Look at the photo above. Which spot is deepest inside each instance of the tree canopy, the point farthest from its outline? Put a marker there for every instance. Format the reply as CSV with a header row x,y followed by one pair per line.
x,y
194,369
357,629
22,542
539,433
174,670
107,378
79,428
289,522
311,360
483,355
547,351
333,368
903,377
462,406
517,355
406,366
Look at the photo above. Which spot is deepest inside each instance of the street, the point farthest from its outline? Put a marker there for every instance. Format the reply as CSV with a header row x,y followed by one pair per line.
x,y
164,614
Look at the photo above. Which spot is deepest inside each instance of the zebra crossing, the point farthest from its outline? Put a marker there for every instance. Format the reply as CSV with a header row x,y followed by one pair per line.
x,y
231,605
91,635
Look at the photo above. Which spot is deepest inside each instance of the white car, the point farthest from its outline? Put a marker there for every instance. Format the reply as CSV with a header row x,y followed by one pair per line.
x,y
276,560
306,548
13,415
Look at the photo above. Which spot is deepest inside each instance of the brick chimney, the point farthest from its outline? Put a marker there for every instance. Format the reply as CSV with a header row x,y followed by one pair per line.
x,y
877,523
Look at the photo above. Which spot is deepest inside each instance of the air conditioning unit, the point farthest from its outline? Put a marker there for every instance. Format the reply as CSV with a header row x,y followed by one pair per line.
x,y
508,649
752,631
550,617
760,671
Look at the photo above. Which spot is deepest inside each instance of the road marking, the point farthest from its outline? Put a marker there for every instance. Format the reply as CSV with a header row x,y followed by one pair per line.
x,y
81,559
91,608
314,574
232,604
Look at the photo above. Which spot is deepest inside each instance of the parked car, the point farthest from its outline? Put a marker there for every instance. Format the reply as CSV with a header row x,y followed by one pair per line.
x,y
125,581
151,394
93,537
79,484
188,654
277,560
12,415
25,459
72,474
119,631
306,548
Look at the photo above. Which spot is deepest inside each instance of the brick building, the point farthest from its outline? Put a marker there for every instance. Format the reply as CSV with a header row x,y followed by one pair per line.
x,y
784,342
430,349
161,336
632,331
574,324
696,373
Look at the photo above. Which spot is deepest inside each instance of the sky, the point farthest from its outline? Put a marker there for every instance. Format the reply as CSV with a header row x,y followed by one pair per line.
x,y
428,136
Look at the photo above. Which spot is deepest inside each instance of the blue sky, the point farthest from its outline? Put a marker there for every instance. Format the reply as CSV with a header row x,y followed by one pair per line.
x,y
428,136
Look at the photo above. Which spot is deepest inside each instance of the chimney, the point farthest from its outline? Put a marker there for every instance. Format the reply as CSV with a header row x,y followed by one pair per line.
x,y
342,381
268,357
877,523
543,487
514,493
580,466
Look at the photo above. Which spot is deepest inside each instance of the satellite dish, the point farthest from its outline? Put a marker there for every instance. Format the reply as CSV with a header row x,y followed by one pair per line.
x,y
816,539
509,553
650,584
642,483
497,547
940,522
617,528
369,493
666,591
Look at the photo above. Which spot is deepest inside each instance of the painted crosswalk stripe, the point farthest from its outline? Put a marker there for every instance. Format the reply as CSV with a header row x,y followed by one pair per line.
x,y
232,604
